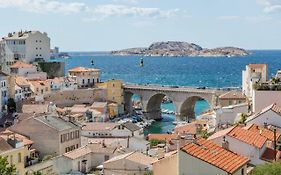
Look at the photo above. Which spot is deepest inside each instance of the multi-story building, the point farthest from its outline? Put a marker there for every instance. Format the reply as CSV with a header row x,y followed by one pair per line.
x,y
85,77
29,71
39,89
28,46
254,73
3,90
62,83
115,94
51,134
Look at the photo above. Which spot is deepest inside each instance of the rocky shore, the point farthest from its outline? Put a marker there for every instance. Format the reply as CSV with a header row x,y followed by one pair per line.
x,y
174,48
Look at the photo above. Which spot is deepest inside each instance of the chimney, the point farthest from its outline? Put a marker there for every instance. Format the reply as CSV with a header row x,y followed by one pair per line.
x,y
225,143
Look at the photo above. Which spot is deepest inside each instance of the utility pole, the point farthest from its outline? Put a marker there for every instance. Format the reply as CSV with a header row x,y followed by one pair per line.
x,y
275,146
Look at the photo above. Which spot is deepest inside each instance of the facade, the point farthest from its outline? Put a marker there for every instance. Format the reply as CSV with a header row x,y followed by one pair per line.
x,y
232,98
166,165
131,163
39,89
114,93
242,141
56,136
3,90
28,46
17,149
85,77
230,114
262,99
253,73
62,84
270,115
84,159
25,85
29,71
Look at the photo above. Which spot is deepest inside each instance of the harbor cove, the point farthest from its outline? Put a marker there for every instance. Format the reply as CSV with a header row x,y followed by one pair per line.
x,y
197,72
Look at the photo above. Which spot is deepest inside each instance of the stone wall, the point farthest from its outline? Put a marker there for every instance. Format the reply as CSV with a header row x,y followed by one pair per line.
x,y
53,69
78,96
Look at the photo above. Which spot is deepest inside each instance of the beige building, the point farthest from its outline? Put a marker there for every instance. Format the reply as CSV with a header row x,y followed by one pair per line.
x,y
85,77
232,98
29,71
133,163
51,134
202,157
28,46
253,73
39,89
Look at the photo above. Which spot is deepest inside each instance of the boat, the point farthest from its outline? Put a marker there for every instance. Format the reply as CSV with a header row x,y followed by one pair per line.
x,y
179,123
92,62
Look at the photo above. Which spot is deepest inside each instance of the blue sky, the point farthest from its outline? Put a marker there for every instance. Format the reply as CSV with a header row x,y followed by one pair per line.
x,y
98,25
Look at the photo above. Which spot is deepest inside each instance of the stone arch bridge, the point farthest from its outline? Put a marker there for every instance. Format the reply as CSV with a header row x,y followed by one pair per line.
x,y
184,99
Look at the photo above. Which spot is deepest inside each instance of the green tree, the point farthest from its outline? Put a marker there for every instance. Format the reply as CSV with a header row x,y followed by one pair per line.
x,y
243,118
204,133
5,168
11,105
37,173
155,142
268,169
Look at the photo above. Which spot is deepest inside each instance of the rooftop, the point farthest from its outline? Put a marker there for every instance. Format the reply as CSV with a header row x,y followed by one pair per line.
x,y
273,107
7,133
21,64
215,155
268,155
99,126
269,134
83,69
257,66
55,122
131,126
34,108
163,137
190,128
20,35
4,146
21,81
233,95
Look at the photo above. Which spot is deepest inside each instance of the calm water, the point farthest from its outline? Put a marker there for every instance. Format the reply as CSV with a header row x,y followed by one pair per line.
x,y
181,71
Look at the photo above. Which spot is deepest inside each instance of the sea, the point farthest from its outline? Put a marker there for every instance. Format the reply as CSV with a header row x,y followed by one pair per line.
x,y
215,72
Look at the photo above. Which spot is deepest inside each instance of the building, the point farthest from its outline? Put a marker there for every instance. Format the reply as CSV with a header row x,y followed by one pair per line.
x,y
85,77
130,163
17,149
56,136
270,115
100,113
3,90
201,157
29,71
85,159
264,98
254,73
243,141
232,98
114,93
28,46
62,84
25,86
229,115
39,89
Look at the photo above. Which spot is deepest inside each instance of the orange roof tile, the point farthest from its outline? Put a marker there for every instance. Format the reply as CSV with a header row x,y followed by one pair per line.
x,y
163,137
190,128
21,64
269,134
5,134
22,81
233,95
215,155
83,69
247,136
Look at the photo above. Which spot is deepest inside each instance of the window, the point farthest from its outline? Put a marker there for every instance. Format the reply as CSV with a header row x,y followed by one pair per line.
x,y
61,139
76,145
19,157
106,157
78,165
89,81
242,171
83,81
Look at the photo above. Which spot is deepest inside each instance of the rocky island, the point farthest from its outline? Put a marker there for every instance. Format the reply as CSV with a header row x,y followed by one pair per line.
x,y
174,48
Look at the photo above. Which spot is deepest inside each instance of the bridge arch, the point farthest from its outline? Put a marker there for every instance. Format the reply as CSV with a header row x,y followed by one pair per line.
x,y
128,107
187,107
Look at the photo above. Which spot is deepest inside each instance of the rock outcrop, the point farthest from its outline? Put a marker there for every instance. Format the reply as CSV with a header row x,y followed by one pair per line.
x,y
173,48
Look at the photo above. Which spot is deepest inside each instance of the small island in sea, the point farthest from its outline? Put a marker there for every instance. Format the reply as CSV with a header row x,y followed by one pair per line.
x,y
175,48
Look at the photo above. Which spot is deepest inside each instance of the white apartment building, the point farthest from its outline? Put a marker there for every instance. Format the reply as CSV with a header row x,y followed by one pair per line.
x,y
85,77
27,46
253,73
3,90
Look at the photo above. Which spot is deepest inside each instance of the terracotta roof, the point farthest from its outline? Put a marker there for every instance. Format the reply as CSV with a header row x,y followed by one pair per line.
x,y
269,134
247,136
163,137
38,83
83,69
268,155
22,81
236,95
7,133
21,64
215,155
4,146
99,126
220,133
34,108
190,128
273,107
257,66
